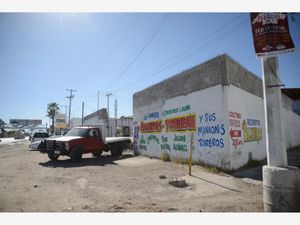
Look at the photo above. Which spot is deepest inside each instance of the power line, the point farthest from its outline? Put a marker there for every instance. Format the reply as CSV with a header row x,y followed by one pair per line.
x,y
70,101
92,68
183,55
154,32
120,41
92,45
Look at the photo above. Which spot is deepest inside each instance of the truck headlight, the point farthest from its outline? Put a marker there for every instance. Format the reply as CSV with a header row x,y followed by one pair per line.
x,y
67,146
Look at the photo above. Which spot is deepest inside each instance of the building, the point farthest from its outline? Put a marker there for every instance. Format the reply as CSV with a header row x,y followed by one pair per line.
x,y
217,107
109,126
74,122
25,122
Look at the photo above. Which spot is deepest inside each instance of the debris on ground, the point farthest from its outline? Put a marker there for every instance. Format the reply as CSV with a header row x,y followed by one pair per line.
x,y
162,177
172,210
179,183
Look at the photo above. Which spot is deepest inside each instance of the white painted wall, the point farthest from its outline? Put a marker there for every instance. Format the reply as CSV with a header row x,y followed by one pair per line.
x,y
208,107
229,107
291,123
248,108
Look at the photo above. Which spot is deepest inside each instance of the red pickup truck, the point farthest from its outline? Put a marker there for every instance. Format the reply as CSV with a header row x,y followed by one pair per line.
x,y
82,140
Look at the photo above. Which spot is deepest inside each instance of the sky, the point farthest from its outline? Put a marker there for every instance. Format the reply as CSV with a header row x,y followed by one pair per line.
x,y
43,54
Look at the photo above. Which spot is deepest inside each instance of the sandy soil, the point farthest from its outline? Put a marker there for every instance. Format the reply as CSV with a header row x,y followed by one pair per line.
x,y
29,182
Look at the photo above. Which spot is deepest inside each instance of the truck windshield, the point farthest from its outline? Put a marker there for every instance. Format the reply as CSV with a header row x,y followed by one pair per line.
x,y
78,132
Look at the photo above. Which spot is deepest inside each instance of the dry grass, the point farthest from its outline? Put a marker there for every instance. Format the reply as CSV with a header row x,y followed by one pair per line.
x,y
165,157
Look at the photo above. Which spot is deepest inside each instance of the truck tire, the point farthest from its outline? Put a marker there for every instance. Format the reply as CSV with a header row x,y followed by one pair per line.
x,y
76,154
97,154
52,156
116,150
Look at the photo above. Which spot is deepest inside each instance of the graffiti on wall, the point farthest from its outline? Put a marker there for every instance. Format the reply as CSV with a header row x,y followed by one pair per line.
x,y
143,145
165,143
181,123
176,110
179,143
210,131
235,129
152,138
152,115
243,130
151,127
252,130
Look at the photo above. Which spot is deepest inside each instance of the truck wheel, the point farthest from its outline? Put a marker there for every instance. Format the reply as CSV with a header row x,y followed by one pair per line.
x,y
116,150
52,156
97,154
76,154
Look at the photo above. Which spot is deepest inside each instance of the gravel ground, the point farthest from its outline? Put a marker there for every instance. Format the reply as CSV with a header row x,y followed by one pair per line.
x,y
29,182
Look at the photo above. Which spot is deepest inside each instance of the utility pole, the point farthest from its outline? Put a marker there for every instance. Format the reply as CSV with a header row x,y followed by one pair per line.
x,y
107,95
82,114
116,115
70,101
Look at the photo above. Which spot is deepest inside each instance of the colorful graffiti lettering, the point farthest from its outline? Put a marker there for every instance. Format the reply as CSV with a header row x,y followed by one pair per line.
x,y
235,115
176,110
234,123
165,145
153,138
179,143
179,138
136,131
164,139
180,147
251,132
143,145
212,142
236,142
153,115
210,131
151,127
235,132
181,123
213,129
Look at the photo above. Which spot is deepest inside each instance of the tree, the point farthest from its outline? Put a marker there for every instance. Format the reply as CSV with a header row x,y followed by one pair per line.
x,y
52,109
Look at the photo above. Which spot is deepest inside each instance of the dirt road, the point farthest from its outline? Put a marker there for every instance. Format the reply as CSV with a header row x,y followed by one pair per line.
x,y
29,182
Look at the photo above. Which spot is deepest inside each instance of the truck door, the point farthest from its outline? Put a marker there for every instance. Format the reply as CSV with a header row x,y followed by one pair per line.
x,y
94,140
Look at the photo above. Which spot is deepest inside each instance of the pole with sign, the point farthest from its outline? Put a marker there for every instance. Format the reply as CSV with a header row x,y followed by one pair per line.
x,y
271,36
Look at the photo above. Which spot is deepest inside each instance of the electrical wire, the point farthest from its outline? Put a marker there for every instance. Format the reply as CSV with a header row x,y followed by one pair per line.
x,y
183,55
119,42
153,34
91,46
93,68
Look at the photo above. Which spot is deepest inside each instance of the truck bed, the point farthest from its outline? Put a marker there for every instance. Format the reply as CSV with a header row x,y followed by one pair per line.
x,y
117,139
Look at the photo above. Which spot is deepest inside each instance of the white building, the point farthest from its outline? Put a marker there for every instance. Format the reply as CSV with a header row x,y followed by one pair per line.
x,y
217,107
99,118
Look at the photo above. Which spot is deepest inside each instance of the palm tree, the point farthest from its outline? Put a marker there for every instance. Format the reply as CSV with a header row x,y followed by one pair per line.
x,y
52,109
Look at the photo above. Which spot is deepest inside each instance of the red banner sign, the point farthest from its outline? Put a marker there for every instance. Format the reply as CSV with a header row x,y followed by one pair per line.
x,y
181,123
151,127
271,33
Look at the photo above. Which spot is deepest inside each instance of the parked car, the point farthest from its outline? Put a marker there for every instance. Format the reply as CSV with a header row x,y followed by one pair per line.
x,y
20,134
39,136
35,145
37,139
